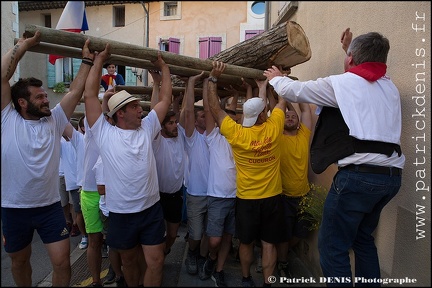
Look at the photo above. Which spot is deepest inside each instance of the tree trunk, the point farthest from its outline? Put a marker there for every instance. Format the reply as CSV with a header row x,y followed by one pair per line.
x,y
285,45
77,40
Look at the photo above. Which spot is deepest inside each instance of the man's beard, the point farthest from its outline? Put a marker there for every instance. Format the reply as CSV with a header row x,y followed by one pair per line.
x,y
290,127
37,112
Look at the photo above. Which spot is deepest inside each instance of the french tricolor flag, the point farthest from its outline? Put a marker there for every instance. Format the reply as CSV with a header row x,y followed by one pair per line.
x,y
72,19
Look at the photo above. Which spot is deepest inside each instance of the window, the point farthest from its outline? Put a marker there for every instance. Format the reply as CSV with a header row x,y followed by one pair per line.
x,y
171,45
209,46
170,10
119,16
47,20
258,7
251,33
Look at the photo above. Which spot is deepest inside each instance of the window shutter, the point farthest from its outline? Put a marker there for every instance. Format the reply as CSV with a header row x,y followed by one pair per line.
x,y
215,46
51,77
76,63
130,78
209,46
174,45
203,47
251,33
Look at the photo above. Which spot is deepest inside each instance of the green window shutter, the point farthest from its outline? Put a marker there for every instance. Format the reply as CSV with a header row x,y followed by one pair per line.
x,y
50,74
76,63
130,78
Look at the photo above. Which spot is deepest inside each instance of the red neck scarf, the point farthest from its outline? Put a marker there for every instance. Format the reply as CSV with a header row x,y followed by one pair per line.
x,y
370,71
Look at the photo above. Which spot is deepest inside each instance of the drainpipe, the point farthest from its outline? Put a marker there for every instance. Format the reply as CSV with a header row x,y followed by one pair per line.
x,y
266,15
146,39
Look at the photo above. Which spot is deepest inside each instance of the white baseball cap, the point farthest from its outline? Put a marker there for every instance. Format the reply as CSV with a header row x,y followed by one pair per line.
x,y
251,110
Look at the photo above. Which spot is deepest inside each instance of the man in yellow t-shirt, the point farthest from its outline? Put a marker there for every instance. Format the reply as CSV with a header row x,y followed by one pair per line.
x,y
255,145
295,184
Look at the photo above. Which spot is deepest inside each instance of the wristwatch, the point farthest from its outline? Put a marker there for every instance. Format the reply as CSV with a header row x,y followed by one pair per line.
x,y
212,79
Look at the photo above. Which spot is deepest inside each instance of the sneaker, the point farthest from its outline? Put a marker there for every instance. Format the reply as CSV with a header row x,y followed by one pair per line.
x,y
191,263
219,279
208,268
75,231
84,243
110,277
120,282
258,267
104,250
200,265
283,270
248,282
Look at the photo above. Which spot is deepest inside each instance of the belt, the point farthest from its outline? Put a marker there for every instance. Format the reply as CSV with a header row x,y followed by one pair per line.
x,y
373,169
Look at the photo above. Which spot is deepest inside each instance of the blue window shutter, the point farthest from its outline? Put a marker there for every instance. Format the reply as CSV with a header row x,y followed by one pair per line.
x,y
76,63
50,74
130,79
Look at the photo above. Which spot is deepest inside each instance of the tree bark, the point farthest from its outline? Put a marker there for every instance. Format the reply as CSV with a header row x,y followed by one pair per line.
x,y
285,45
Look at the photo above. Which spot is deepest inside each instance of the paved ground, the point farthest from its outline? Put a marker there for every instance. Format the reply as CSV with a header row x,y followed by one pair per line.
x,y
175,274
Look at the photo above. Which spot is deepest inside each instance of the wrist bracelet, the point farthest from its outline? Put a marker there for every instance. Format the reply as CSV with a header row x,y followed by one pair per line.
x,y
87,62
87,58
213,79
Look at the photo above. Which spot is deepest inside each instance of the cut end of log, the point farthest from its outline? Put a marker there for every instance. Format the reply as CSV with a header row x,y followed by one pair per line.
x,y
298,49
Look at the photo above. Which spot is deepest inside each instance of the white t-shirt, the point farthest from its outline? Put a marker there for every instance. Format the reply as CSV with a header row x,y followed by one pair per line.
x,y
222,173
30,155
98,170
170,158
91,154
131,182
77,141
69,161
198,163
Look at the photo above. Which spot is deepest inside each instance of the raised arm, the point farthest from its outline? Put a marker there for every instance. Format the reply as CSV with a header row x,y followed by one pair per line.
x,y
213,98
306,115
210,122
93,106
9,63
71,99
165,92
157,78
107,95
189,99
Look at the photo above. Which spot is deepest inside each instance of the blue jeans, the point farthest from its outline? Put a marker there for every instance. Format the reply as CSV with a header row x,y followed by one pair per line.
x,y
351,213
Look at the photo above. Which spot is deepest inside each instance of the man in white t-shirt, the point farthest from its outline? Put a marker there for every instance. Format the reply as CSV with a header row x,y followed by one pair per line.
x,y
30,155
170,155
192,125
131,183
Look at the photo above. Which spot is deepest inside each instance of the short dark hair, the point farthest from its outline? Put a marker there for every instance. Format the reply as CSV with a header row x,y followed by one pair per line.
x,y
21,90
107,64
168,117
369,47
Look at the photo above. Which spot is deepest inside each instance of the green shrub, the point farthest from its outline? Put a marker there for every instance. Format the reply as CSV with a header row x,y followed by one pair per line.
x,y
59,87
312,206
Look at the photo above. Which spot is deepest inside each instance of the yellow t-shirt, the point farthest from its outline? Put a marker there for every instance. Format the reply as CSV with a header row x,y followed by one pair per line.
x,y
295,162
257,155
